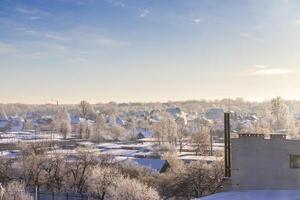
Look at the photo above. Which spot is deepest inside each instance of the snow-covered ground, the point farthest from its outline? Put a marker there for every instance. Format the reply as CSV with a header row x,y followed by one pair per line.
x,y
15,137
201,158
256,195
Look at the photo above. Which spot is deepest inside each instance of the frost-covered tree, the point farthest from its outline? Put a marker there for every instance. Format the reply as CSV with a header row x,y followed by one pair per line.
x,y
132,189
131,126
165,130
181,132
176,165
65,128
86,130
280,112
100,129
62,122
197,180
101,179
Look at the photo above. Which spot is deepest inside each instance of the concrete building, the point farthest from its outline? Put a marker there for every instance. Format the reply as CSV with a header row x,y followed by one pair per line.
x,y
260,163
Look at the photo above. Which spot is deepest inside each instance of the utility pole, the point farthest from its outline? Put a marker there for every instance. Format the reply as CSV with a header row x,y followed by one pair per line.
x,y
211,141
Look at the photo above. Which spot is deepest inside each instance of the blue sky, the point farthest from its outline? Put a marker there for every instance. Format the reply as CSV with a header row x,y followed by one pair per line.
x,y
148,50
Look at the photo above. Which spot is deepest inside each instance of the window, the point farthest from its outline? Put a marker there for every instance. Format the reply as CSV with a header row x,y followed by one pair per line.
x,y
294,161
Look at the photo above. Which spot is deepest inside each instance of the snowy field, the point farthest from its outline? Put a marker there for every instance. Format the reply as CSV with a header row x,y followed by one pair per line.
x,y
119,150
15,137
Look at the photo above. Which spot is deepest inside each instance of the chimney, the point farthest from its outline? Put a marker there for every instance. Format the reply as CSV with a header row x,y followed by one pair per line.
x,y
227,152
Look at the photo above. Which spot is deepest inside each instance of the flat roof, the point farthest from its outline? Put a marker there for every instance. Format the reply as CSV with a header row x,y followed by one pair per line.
x,y
256,194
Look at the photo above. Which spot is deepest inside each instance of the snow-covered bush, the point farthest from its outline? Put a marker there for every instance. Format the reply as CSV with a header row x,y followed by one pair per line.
x,y
15,190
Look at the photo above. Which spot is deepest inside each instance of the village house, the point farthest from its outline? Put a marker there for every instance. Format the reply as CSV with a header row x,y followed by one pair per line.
x,y
4,124
155,165
215,114
16,123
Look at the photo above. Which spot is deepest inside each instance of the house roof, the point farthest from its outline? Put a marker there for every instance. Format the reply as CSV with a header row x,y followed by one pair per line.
x,y
256,194
145,133
3,124
154,164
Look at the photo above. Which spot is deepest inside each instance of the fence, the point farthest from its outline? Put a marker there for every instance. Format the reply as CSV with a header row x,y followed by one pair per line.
x,y
16,195
59,196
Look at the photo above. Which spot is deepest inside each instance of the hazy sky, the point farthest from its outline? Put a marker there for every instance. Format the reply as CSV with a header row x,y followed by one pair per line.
x,y
148,50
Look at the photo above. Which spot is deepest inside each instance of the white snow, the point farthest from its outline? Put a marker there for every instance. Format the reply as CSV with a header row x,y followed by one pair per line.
x,y
201,158
119,152
256,194
14,137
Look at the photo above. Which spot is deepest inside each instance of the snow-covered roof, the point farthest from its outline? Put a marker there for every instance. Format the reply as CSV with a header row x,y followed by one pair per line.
x,y
3,123
120,152
109,146
215,113
75,119
154,164
142,133
120,121
174,111
138,146
201,158
256,194
9,154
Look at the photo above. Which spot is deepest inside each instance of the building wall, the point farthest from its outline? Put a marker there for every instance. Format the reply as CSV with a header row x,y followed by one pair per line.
x,y
259,163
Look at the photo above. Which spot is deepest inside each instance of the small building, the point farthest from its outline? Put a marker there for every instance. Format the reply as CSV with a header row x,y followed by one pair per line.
x,y
32,116
120,121
4,123
175,112
75,119
144,133
215,114
260,162
16,123
256,195
44,121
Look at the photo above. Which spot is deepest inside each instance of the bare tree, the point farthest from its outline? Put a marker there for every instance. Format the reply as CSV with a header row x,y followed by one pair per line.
x,y
2,192
84,109
55,171
6,171
182,132
165,129
80,168
86,130
33,169
200,140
